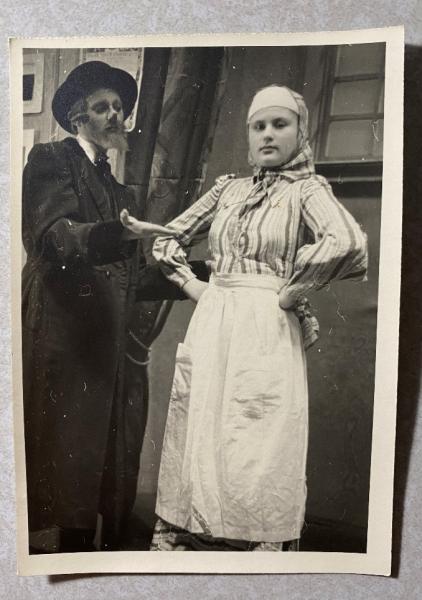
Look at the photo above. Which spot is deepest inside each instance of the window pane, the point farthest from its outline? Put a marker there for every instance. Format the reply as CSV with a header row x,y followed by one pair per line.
x,y
378,127
360,59
355,97
28,86
381,101
352,139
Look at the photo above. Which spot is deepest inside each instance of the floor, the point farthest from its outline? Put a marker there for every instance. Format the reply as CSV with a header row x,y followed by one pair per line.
x,y
318,535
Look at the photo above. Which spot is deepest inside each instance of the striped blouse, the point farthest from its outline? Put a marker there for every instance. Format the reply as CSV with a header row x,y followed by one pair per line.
x,y
296,230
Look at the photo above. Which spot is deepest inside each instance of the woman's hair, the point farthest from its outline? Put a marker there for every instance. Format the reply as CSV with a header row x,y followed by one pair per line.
x,y
78,114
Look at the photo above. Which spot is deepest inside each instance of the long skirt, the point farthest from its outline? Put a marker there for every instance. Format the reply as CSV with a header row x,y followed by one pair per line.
x,y
171,538
234,453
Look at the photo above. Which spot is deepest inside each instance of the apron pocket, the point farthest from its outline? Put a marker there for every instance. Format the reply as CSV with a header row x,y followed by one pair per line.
x,y
171,499
260,384
182,374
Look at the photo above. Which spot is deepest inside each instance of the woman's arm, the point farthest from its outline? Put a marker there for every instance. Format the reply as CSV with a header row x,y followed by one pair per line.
x,y
339,250
153,285
170,250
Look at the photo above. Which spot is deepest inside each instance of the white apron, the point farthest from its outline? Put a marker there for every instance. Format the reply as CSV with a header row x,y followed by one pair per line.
x,y
234,453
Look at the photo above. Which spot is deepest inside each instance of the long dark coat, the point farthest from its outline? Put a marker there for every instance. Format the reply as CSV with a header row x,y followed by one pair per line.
x,y
79,286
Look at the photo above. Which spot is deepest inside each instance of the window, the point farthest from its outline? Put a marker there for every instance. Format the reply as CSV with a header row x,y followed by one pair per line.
x,y
28,87
33,82
352,128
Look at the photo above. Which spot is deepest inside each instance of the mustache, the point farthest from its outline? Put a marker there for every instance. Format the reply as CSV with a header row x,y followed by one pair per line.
x,y
115,126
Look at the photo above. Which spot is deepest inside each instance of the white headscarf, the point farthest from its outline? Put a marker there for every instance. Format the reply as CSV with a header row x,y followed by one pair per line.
x,y
272,96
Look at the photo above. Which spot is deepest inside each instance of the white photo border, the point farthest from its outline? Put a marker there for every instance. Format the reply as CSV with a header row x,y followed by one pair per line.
x,y
377,559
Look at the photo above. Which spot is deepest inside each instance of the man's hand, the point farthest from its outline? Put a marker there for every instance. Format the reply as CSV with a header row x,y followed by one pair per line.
x,y
194,289
137,230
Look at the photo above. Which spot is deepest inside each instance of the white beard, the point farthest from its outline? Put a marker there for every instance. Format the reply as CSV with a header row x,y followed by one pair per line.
x,y
108,139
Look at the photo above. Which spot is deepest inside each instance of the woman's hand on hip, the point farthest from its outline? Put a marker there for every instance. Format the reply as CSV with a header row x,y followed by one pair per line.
x,y
137,230
194,288
285,300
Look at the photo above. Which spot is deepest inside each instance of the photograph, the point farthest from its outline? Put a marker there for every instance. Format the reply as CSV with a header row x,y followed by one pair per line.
x,y
207,251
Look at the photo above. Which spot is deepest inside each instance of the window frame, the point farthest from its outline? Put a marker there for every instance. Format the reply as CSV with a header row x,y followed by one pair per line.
x,y
366,168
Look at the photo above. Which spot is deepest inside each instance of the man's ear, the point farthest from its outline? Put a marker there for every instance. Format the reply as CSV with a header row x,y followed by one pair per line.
x,y
78,121
82,119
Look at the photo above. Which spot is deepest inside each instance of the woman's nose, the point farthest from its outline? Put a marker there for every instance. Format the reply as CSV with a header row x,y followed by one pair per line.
x,y
268,132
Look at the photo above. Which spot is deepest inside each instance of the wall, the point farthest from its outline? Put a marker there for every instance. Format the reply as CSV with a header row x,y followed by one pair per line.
x,y
42,122
341,364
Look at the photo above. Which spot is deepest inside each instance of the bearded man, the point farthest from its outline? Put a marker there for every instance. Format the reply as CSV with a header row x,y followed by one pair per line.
x,y
84,271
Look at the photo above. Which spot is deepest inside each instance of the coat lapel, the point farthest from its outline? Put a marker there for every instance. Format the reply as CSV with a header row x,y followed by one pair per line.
x,y
97,190
90,185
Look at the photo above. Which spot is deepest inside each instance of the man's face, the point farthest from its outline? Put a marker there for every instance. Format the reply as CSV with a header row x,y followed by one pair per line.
x,y
273,136
105,125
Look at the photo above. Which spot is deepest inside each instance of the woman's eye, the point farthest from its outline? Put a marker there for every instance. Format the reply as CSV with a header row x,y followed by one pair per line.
x,y
117,107
280,124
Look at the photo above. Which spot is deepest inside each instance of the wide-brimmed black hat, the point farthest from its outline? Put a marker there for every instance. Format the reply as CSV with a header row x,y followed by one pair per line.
x,y
87,78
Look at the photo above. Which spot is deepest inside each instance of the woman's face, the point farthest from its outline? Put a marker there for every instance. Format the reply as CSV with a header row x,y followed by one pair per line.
x,y
273,136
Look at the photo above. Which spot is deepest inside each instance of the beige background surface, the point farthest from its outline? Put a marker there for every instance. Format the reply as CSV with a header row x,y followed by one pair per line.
x,y
74,18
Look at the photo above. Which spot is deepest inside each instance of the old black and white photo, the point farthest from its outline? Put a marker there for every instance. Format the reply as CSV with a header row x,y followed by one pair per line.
x,y
204,292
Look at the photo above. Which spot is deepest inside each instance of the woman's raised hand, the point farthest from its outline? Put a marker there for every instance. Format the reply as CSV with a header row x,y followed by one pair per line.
x,y
136,230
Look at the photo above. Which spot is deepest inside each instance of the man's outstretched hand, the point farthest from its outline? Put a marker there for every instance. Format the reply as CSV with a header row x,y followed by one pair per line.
x,y
137,230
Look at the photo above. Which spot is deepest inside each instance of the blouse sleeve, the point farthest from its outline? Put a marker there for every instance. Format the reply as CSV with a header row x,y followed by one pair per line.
x,y
339,250
188,227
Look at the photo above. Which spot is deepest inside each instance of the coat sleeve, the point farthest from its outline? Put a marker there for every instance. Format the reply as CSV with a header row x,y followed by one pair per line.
x,y
53,226
170,251
339,248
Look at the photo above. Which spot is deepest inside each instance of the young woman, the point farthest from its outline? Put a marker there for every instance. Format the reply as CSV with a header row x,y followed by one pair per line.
x,y
233,463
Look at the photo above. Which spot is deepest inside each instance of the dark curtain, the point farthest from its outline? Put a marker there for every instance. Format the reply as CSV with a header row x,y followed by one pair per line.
x,y
180,99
